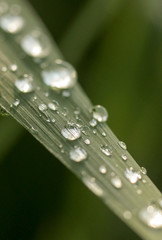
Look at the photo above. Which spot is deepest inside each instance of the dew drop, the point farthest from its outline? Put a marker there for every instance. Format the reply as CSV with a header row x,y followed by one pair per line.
x,y
53,106
93,186
66,93
116,182
124,157
12,23
132,175
152,217
100,113
35,45
71,132
103,134
61,75
16,103
43,107
102,169
127,215
25,84
107,150
13,68
93,123
78,154
87,141
143,170
122,145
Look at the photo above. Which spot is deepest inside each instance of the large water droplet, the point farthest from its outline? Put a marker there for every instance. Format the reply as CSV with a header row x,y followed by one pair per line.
x,y
11,23
78,154
25,84
107,150
122,145
116,182
35,45
152,217
100,113
132,175
60,75
71,132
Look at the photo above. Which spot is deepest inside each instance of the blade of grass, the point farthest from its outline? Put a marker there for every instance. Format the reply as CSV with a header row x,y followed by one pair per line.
x,y
121,201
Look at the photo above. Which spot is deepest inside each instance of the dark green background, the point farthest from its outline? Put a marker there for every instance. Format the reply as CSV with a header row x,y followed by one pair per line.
x,y
120,67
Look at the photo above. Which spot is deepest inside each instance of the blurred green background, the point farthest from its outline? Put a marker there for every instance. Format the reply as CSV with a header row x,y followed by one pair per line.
x,y
116,46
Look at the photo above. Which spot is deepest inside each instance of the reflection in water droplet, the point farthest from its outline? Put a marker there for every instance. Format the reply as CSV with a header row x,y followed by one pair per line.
x,y
116,182
122,145
102,169
143,170
78,154
11,23
61,75
132,175
35,45
100,113
107,150
71,132
152,217
25,84
93,186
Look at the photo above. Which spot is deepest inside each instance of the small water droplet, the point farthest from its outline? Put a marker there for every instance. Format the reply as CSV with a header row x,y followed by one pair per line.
x,y
12,23
53,106
66,93
4,69
60,75
124,157
42,107
25,84
132,175
127,215
78,154
100,113
87,141
93,123
103,134
93,186
107,150
102,169
122,145
143,170
16,103
139,191
13,68
116,182
152,217
35,45
71,132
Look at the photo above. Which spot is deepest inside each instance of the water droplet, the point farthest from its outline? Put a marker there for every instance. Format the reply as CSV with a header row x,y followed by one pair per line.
x,y
116,182
61,75
87,141
16,103
100,113
4,69
11,23
122,145
93,186
93,123
53,106
143,170
139,191
71,132
102,169
104,134
66,93
152,217
107,150
25,84
132,175
35,45
127,215
78,154
13,68
42,107
124,157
